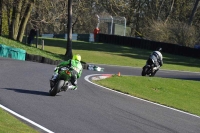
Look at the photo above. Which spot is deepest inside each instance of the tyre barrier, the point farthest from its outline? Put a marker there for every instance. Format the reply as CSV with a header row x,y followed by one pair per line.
x,y
149,45
41,59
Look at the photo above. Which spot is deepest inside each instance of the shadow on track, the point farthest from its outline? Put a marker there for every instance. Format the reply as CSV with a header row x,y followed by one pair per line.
x,y
29,91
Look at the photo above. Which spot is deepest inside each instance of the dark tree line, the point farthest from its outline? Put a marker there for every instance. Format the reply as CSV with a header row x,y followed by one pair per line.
x,y
174,21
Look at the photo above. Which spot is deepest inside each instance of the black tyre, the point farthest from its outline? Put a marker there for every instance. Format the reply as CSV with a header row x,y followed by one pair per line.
x,y
153,74
53,91
144,71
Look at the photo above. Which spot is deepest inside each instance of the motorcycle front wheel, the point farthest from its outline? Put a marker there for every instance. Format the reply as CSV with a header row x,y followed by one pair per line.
x,y
144,71
153,74
53,91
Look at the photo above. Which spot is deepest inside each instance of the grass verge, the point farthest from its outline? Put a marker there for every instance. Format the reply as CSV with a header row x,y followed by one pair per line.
x,y
10,124
98,52
120,55
176,93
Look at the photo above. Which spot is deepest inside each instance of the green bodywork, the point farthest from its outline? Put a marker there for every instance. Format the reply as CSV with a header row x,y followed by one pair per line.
x,y
75,65
63,75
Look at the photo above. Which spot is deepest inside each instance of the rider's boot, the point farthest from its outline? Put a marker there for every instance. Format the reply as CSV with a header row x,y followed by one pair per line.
x,y
72,87
74,84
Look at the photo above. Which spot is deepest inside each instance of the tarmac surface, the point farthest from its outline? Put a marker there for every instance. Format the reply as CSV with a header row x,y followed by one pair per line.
x,y
24,87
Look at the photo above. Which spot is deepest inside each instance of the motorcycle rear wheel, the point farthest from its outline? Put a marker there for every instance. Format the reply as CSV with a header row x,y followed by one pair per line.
x,y
144,71
53,91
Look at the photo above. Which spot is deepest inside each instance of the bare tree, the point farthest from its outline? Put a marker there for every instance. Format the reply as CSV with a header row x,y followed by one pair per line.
x,y
183,34
24,20
17,7
193,12
1,18
18,12
50,16
170,11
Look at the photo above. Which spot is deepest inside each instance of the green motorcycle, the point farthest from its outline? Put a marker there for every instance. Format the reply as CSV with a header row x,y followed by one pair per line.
x,y
62,82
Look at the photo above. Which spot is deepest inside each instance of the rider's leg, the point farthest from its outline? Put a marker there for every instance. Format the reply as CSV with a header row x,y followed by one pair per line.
x,y
74,82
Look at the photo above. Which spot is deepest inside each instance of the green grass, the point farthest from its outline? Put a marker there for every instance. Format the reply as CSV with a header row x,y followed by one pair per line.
x,y
120,55
30,49
180,94
9,124
176,93
98,52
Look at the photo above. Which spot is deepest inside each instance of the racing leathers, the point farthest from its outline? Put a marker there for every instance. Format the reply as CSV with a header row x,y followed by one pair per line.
x,y
155,58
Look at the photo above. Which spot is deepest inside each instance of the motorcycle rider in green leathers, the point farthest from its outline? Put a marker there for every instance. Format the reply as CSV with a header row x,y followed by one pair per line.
x,y
73,63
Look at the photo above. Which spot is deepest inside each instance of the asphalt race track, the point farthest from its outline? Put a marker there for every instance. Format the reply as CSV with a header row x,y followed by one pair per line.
x,y
24,89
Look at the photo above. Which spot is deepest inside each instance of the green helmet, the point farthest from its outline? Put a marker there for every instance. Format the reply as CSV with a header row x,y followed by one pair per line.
x,y
77,57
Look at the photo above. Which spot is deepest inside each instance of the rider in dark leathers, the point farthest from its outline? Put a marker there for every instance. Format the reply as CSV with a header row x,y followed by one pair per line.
x,y
157,58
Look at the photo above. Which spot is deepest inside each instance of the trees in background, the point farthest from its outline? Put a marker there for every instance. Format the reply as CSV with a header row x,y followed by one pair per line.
x,y
175,23
1,10
159,20
15,15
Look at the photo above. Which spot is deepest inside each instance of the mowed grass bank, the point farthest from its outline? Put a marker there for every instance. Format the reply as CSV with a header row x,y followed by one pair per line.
x,y
180,94
10,124
30,49
111,54
101,53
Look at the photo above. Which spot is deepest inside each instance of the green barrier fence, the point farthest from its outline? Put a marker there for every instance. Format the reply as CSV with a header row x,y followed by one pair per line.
x,y
11,52
4,50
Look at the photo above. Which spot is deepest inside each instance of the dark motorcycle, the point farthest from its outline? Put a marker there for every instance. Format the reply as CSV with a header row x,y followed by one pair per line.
x,y
62,83
148,69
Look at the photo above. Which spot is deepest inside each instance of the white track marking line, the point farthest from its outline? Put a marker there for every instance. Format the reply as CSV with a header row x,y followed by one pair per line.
x,y
26,119
87,79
